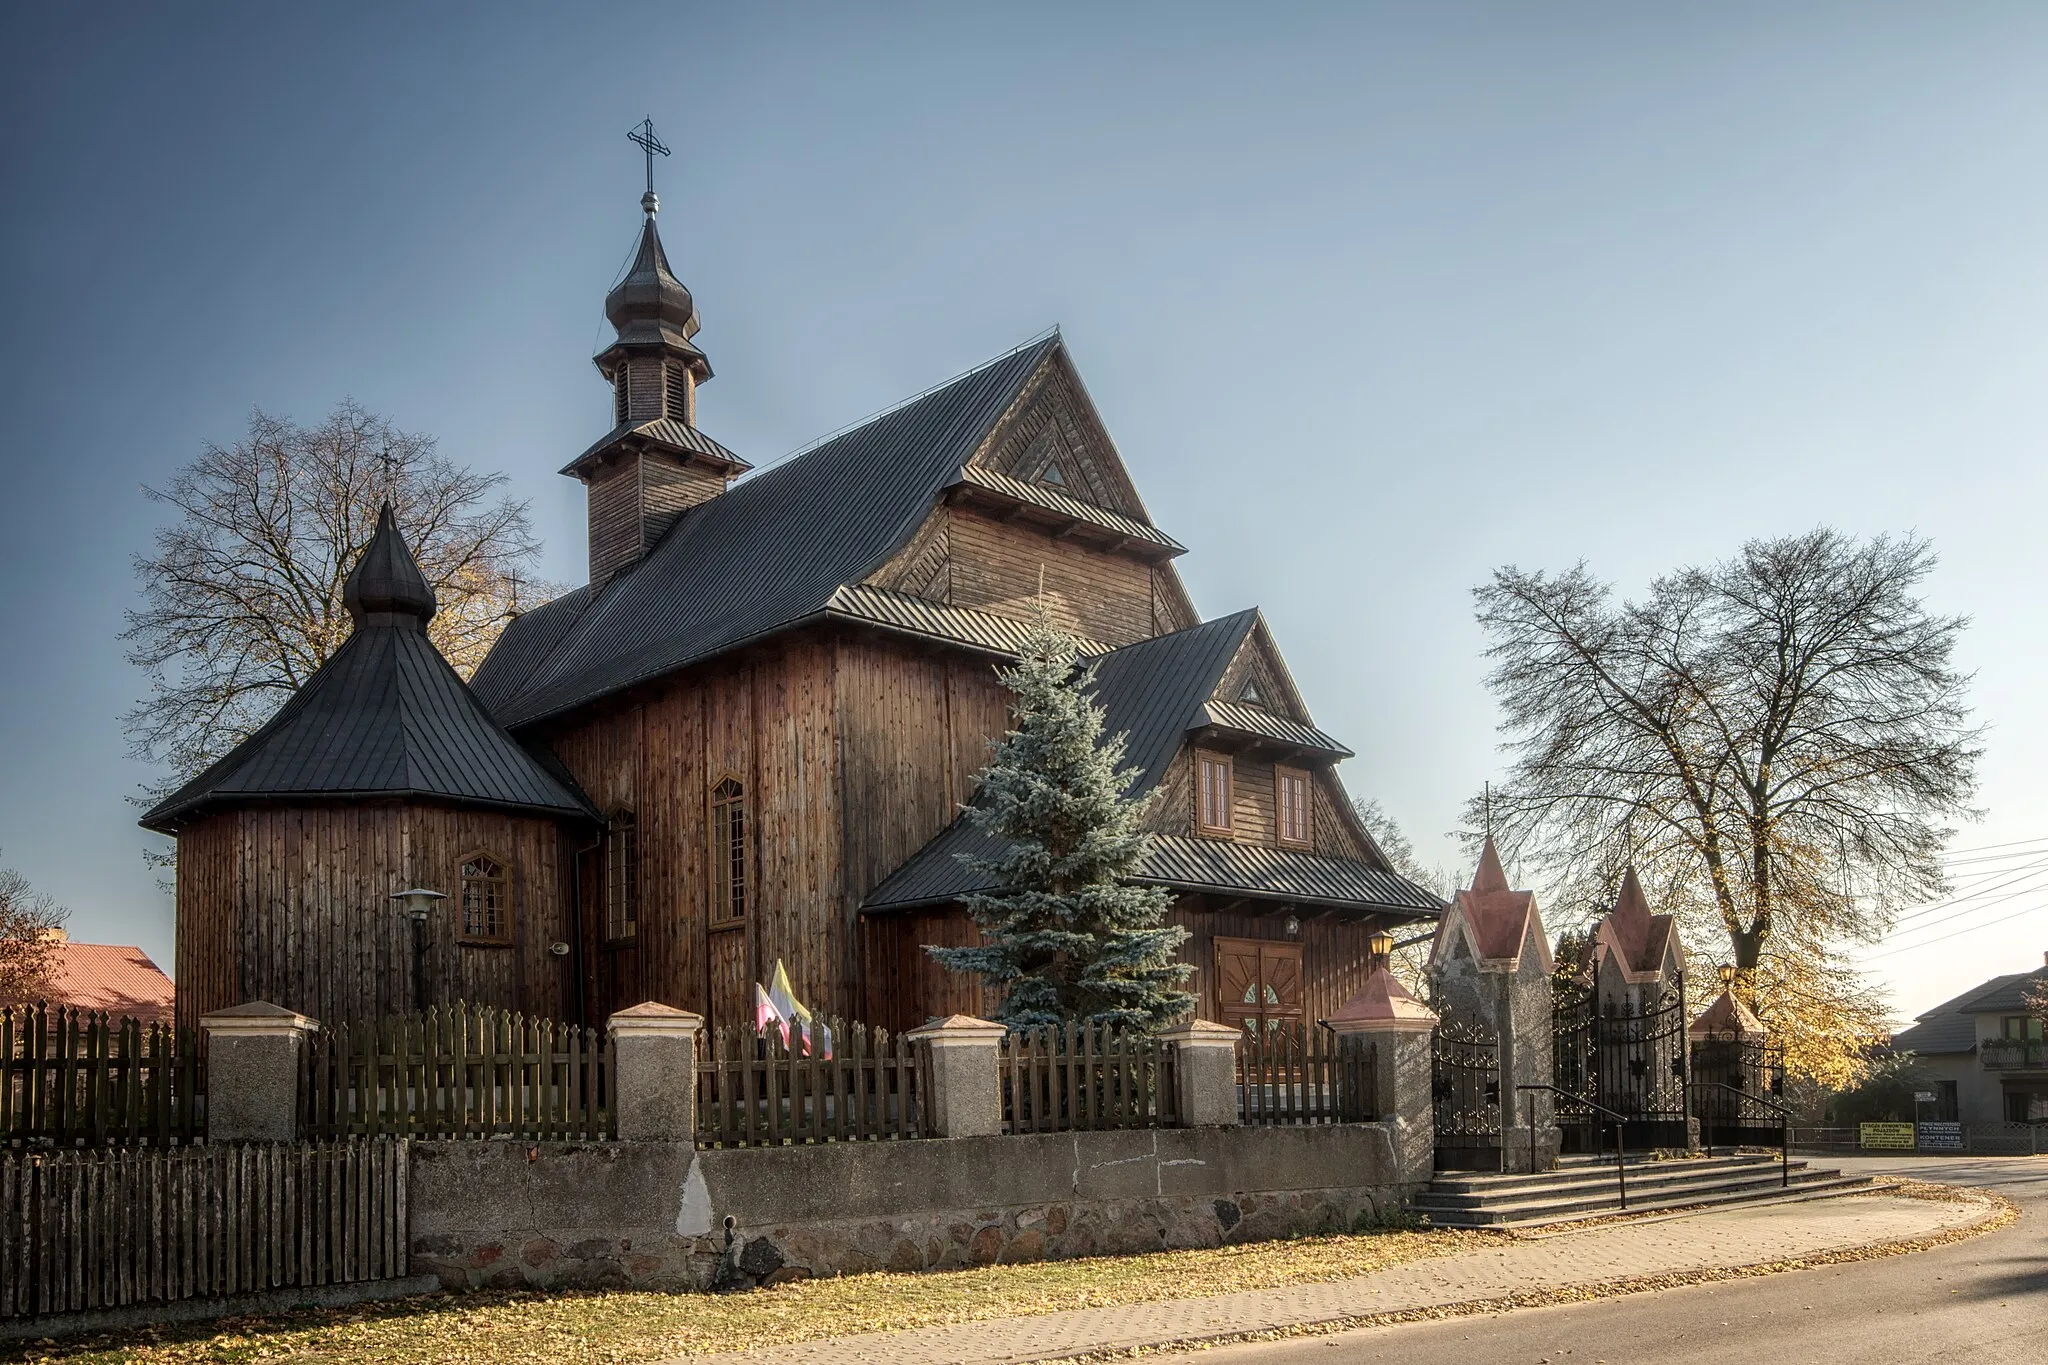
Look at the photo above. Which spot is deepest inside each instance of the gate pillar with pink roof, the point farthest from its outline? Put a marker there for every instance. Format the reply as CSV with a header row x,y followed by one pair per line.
x,y
1490,966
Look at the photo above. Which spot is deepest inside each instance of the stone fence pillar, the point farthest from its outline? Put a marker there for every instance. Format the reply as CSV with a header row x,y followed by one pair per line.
x,y
654,1072
254,1053
963,1096
1205,1069
1399,1028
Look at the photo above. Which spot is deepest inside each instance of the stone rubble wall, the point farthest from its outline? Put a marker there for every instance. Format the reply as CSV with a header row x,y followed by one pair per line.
x,y
507,1214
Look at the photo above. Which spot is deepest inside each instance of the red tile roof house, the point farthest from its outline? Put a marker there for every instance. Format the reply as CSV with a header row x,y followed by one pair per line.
x,y
111,977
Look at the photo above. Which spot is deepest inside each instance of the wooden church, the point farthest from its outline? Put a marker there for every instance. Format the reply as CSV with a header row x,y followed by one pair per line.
x,y
751,735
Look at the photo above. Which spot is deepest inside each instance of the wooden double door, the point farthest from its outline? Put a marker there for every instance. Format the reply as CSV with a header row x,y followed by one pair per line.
x,y
1259,985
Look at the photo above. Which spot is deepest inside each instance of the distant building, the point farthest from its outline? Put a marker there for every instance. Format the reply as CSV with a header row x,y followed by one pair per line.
x,y
110,977
1985,1053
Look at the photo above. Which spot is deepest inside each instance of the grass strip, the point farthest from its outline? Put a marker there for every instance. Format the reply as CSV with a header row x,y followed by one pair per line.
x,y
616,1327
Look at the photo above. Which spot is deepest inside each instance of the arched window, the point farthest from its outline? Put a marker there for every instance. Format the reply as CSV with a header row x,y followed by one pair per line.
x,y
728,851
486,903
622,879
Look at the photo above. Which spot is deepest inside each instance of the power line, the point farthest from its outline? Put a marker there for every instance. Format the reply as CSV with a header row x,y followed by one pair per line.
x,y
2017,914
2010,877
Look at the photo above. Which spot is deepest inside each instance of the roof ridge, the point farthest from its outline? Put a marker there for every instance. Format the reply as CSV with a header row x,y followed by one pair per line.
x,y
1051,333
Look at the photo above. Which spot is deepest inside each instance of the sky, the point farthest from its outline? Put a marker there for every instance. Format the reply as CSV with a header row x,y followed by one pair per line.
x,y
1373,298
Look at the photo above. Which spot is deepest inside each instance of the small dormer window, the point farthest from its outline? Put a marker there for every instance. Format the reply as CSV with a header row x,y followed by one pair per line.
x,y
620,395
1053,476
675,396
1251,693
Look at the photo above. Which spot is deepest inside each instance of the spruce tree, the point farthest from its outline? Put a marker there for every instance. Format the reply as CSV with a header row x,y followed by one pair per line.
x,y
1063,930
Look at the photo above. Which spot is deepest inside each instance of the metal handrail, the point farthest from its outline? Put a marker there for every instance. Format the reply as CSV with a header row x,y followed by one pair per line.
x,y
1784,1127
1620,1133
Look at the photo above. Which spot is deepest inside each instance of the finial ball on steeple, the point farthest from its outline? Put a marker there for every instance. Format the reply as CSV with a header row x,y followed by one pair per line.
x,y
650,203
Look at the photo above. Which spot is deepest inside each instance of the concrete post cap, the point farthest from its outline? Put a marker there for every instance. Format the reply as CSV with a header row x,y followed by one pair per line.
x,y
957,1029
1202,1033
258,1017
649,1020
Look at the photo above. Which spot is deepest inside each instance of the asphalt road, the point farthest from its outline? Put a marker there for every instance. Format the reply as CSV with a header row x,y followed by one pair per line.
x,y
1983,1301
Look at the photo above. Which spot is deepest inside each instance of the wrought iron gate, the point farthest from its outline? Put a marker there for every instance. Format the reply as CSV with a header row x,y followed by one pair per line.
x,y
1730,1079
1465,1085
1629,1060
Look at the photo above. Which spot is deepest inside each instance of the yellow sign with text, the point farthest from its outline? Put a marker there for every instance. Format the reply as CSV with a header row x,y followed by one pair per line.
x,y
1895,1137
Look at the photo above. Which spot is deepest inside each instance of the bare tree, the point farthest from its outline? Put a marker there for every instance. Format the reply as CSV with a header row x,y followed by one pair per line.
x,y
242,597
1773,739
29,920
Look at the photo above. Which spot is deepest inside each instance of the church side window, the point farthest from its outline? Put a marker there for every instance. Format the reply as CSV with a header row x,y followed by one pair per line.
x,y
1291,797
486,900
728,851
1212,794
620,395
622,879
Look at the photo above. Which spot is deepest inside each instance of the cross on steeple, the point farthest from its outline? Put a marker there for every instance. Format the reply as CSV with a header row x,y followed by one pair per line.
x,y
652,146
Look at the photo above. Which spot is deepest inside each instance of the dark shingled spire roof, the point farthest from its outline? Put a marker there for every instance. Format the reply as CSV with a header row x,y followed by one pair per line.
x,y
387,579
384,717
651,305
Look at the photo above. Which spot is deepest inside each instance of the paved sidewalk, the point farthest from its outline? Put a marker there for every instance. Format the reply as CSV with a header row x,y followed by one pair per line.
x,y
1710,1241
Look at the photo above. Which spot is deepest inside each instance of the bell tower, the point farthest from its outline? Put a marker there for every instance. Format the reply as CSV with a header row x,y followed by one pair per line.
x,y
654,463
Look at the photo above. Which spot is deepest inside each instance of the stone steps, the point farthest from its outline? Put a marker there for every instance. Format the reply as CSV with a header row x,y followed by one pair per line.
x,y
1588,1190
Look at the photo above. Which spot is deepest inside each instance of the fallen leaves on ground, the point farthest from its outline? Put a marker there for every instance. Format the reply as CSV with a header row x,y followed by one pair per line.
x,y
616,1327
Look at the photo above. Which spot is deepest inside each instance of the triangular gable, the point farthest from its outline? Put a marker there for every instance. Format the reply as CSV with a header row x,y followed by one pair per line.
x,y
1054,427
1644,948
1257,665
1492,923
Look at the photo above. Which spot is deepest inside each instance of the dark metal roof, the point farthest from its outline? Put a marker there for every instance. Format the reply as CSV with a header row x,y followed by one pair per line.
x,y
1257,720
1283,874
767,554
900,611
1938,1034
385,716
940,874
1072,509
667,433
2005,994
1154,692
524,645
650,306
386,578
1951,1026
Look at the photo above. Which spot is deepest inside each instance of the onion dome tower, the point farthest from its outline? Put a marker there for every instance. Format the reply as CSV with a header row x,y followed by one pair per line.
x,y
382,772
654,463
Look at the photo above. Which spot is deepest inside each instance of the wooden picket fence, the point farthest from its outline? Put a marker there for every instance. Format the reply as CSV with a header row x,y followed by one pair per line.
x,y
460,1071
101,1229
70,1078
1083,1076
755,1089
1292,1076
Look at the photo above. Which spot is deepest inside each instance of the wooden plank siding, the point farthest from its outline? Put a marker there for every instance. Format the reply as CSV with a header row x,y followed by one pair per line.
x,y
767,719
995,566
293,905
907,987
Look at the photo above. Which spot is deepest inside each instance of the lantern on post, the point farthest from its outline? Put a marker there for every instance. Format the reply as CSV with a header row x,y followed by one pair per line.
x,y
417,903
1381,948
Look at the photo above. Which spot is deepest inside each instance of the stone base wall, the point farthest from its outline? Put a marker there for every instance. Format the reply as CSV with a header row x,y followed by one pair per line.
x,y
662,1215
